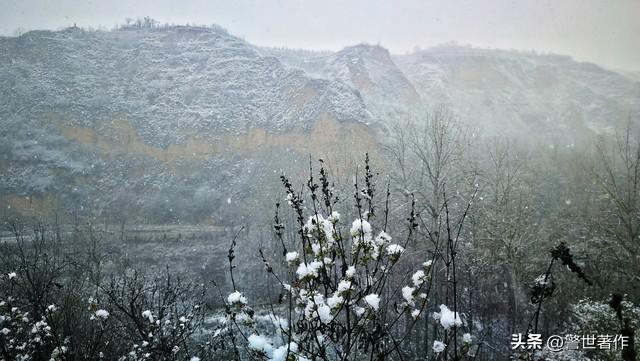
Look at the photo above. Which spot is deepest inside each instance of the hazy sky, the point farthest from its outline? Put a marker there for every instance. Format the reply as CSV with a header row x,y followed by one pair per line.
x,y
602,31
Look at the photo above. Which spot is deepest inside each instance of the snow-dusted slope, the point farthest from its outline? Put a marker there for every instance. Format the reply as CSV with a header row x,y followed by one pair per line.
x,y
512,91
367,68
158,120
164,81
174,124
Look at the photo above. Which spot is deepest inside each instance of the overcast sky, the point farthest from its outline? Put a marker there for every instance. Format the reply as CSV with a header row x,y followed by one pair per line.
x,y
601,31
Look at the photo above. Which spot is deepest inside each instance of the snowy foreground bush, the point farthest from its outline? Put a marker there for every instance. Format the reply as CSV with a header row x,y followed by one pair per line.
x,y
589,317
348,289
345,292
131,319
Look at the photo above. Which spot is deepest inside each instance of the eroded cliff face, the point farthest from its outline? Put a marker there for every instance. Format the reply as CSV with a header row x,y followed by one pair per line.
x,y
341,145
39,205
327,138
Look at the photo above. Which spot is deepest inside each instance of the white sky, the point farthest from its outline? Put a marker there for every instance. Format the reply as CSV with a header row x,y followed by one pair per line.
x,y
606,32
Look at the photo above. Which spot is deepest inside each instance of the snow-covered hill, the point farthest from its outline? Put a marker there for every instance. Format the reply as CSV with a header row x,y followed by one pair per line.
x,y
164,81
175,123
369,69
495,90
159,121
513,91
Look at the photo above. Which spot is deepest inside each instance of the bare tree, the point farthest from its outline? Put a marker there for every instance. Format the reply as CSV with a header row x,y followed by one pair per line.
x,y
617,171
427,152
508,228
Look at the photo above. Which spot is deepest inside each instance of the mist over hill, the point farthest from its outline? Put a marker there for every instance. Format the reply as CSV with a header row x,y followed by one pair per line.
x,y
173,124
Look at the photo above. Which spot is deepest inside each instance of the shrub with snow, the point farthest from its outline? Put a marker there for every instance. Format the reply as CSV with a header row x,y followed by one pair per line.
x,y
336,286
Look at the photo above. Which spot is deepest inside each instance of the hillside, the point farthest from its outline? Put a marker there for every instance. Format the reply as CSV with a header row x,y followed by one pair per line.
x,y
176,116
511,91
370,70
173,124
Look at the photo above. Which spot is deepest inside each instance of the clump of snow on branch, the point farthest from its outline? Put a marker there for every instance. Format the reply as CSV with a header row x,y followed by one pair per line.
x,y
308,270
373,301
102,314
447,317
236,298
438,346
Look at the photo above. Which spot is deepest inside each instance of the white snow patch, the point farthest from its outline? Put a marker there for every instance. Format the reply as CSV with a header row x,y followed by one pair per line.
x,y
351,271
148,315
438,346
291,256
373,301
236,297
308,270
335,300
280,353
324,312
383,238
103,314
360,228
394,250
447,317
407,294
260,343
418,278
334,217
466,338
415,314
344,285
